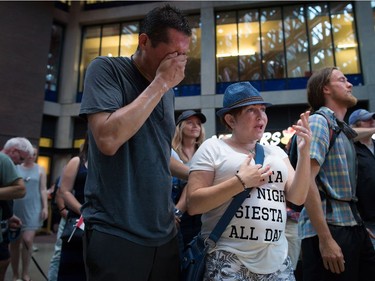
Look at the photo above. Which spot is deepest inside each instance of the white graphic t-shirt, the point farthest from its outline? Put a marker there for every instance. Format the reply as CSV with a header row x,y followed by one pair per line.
x,y
256,234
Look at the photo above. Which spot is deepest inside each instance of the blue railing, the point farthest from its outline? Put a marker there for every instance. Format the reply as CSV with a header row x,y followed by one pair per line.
x,y
261,85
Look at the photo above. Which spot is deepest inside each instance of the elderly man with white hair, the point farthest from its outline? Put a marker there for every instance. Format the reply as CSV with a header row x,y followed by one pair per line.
x,y
12,186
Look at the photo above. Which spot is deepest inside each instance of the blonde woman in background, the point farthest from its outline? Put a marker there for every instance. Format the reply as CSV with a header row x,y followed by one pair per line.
x,y
189,135
32,210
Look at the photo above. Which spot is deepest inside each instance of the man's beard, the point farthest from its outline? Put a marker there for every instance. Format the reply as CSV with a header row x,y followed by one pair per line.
x,y
351,101
347,101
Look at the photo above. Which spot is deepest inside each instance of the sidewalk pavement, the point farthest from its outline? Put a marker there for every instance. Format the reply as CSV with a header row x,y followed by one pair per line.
x,y
45,244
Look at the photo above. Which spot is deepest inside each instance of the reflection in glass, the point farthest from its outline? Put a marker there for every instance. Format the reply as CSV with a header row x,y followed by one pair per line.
x,y
122,40
110,40
90,50
193,66
226,47
319,27
129,38
344,37
54,58
249,45
45,162
272,38
296,43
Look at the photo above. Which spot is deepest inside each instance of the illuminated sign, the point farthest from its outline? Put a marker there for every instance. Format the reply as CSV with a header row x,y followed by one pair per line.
x,y
269,138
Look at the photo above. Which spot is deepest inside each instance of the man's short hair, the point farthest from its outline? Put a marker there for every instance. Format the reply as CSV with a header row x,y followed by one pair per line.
x,y
157,22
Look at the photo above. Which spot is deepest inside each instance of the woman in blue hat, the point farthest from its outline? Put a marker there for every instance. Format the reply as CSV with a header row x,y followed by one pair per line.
x,y
253,245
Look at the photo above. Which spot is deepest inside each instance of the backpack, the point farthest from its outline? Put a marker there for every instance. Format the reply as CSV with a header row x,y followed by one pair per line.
x,y
334,131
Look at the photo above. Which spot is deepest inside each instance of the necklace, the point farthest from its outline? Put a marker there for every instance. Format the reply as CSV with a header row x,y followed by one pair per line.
x,y
145,75
252,151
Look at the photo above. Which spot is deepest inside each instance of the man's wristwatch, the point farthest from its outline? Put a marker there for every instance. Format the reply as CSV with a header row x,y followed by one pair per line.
x,y
178,213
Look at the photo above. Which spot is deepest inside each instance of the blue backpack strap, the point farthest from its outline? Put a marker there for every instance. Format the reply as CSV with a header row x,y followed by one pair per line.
x,y
293,151
236,202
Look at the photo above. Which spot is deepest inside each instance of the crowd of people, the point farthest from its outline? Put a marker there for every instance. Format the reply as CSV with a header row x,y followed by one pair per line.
x,y
146,184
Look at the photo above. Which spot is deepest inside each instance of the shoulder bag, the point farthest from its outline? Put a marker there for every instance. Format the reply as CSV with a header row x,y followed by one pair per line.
x,y
194,255
71,233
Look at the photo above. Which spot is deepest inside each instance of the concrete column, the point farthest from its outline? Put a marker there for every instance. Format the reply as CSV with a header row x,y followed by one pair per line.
x,y
208,62
64,138
365,26
70,65
211,121
69,78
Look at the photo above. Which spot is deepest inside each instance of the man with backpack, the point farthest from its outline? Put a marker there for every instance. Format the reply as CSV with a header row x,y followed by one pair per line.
x,y
335,243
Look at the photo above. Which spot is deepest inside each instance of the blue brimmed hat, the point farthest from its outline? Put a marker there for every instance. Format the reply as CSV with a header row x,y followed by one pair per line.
x,y
360,115
238,95
188,113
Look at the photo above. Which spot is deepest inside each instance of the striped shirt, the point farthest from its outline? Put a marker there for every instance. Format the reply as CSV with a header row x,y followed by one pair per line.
x,y
334,174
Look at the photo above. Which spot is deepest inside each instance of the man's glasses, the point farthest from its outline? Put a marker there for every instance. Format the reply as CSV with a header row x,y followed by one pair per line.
x,y
21,155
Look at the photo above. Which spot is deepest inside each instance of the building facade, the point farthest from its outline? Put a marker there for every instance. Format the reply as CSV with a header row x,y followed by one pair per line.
x,y
275,45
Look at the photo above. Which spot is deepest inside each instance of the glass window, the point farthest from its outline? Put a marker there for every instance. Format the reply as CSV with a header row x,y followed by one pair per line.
x,y
48,132
291,41
53,63
45,142
121,39
344,37
319,28
226,47
45,162
110,44
129,38
90,50
296,43
272,38
193,66
63,5
79,132
249,45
